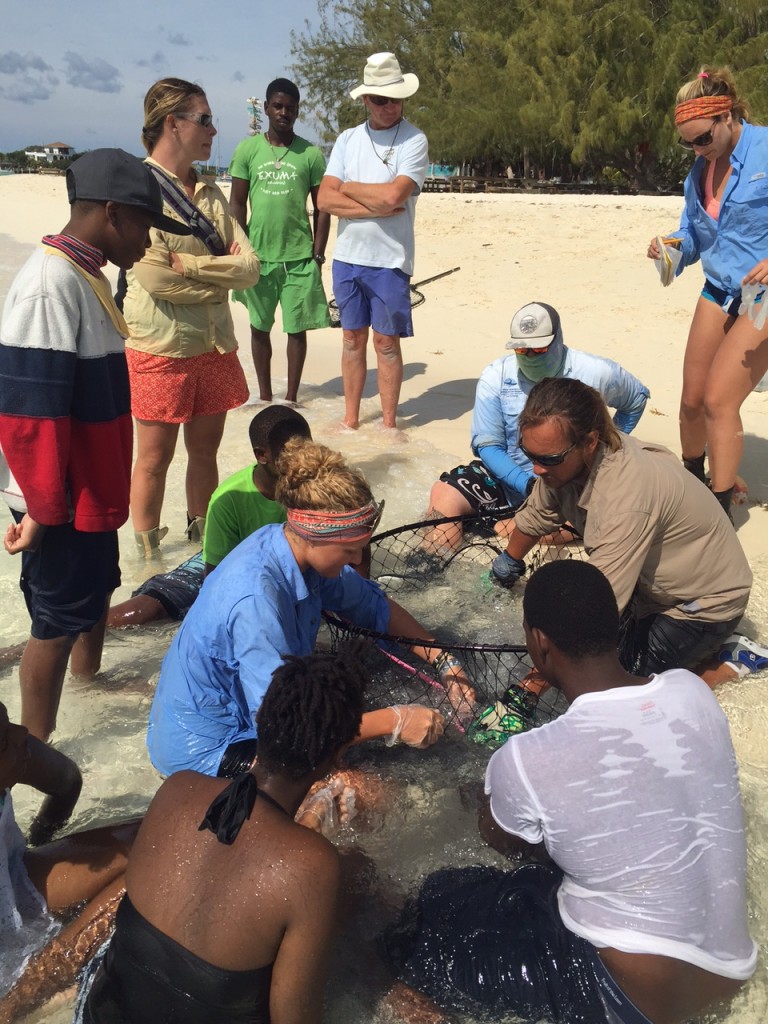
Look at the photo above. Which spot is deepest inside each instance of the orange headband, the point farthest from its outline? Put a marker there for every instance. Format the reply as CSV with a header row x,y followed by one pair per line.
x,y
703,106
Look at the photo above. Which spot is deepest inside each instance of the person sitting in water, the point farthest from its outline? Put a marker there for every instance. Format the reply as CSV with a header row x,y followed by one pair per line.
x,y
657,533
38,956
254,942
501,475
631,798
244,502
264,602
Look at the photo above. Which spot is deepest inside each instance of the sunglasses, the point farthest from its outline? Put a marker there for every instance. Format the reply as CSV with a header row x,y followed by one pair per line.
x,y
204,120
701,140
546,460
382,101
530,351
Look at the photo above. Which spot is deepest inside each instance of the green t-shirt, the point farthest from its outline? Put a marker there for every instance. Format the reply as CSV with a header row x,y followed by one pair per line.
x,y
235,510
278,227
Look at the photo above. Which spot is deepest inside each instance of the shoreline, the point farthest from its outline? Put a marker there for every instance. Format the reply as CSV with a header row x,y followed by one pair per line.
x,y
583,254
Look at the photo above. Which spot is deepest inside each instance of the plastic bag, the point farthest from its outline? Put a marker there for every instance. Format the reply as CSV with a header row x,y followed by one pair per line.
x,y
754,304
669,259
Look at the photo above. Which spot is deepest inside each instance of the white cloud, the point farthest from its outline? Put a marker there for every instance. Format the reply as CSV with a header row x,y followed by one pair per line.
x,y
94,74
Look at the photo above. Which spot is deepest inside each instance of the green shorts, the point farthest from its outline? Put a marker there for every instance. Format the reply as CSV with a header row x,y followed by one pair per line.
x,y
297,286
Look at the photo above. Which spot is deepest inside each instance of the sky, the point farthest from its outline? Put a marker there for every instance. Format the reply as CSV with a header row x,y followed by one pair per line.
x,y
77,72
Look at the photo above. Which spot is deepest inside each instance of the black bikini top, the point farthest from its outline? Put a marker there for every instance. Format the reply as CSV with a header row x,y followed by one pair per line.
x,y
233,806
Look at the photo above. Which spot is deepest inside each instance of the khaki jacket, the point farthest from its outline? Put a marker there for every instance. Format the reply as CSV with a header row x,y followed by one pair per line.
x,y
647,522
171,314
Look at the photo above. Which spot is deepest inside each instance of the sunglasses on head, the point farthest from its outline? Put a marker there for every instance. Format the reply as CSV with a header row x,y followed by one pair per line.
x,y
701,140
382,101
204,120
530,351
546,460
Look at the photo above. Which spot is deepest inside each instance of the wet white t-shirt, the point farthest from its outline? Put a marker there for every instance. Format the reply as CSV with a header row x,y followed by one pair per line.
x,y
635,794
25,923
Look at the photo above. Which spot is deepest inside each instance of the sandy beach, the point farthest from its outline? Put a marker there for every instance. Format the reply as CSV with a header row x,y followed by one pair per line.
x,y
585,255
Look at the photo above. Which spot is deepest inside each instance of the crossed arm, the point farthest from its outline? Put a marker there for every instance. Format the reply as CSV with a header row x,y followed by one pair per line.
x,y
359,199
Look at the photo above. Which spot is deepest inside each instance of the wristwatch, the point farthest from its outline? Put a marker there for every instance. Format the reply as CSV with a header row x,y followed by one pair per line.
x,y
320,260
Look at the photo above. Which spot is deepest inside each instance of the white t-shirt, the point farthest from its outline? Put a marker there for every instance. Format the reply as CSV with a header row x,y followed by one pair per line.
x,y
635,794
358,155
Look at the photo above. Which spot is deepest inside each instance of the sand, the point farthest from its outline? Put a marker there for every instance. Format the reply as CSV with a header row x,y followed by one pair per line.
x,y
585,255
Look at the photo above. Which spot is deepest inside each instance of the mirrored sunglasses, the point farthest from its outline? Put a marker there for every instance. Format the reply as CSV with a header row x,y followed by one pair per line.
x,y
204,120
546,460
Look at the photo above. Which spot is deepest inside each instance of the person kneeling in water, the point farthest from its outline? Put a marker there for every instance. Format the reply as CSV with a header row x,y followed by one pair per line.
x,y
632,798
39,957
231,905
265,601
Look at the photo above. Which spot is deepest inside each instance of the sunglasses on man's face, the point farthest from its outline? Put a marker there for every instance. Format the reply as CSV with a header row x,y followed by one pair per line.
x,y
530,351
382,101
204,120
546,460
700,141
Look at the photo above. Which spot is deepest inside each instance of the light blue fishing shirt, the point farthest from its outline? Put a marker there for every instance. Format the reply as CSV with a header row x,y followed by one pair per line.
x,y
253,610
502,392
730,246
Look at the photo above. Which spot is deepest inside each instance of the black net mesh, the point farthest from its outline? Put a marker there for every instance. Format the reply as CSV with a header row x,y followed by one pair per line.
x,y
439,570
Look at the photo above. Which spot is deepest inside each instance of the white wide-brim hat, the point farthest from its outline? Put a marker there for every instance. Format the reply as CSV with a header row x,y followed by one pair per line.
x,y
382,77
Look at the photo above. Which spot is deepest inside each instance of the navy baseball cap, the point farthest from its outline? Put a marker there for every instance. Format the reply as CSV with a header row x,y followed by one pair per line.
x,y
112,175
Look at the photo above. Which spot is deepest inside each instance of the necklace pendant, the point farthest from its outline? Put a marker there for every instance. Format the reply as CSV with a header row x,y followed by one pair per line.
x,y
278,164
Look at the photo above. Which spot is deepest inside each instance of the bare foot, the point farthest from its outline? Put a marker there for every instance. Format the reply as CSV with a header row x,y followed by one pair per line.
x,y
340,427
740,492
413,1006
392,433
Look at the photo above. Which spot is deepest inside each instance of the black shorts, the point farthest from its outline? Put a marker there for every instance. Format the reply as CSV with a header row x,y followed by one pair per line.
x,y
176,590
478,487
480,937
659,642
67,581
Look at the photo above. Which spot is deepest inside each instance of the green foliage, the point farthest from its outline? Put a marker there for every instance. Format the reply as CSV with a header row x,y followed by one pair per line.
x,y
572,86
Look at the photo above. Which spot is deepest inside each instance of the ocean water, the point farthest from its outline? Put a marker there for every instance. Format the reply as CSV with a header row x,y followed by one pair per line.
x,y
425,803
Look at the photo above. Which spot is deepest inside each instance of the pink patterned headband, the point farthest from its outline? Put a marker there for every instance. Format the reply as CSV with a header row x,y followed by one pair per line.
x,y
336,527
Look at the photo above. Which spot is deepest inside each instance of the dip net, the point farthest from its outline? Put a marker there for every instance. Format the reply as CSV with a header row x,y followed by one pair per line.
x,y
439,570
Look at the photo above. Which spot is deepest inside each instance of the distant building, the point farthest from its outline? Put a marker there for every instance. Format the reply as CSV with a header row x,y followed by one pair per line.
x,y
53,151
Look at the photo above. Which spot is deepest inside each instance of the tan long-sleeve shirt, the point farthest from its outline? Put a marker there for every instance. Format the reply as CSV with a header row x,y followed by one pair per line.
x,y
182,315
647,521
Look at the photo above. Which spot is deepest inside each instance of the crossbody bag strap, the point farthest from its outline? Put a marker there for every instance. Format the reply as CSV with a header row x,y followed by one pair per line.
x,y
189,213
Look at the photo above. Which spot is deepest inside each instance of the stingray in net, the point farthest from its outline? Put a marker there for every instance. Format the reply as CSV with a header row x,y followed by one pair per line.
x,y
471,618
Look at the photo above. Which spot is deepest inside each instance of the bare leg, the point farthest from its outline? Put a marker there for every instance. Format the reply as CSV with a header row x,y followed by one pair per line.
x,y
707,332
136,611
81,865
353,369
740,362
261,350
716,672
85,659
202,437
41,675
155,443
296,353
445,500
390,374
87,866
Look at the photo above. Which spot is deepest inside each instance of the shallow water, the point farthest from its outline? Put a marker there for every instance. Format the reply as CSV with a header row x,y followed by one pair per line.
x,y
427,812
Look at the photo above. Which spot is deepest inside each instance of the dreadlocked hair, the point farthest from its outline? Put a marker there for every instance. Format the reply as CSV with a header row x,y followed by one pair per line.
x,y
314,477
579,408
311,710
